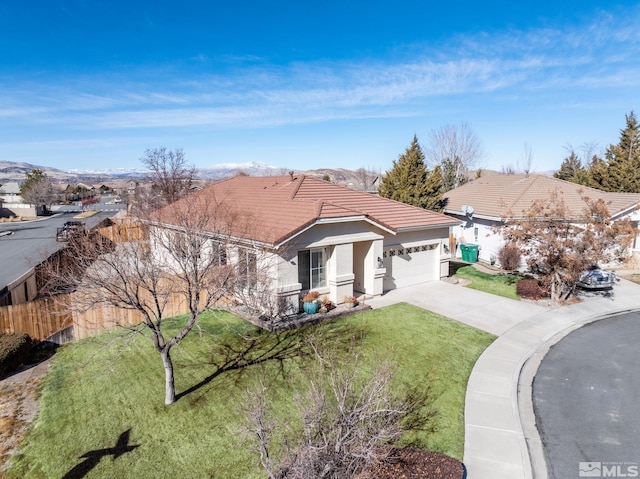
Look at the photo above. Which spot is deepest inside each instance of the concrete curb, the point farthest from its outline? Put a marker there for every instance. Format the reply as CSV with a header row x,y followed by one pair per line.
x,y
503,442
501,439
525,391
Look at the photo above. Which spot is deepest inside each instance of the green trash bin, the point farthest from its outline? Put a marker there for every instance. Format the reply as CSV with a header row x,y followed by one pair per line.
x,y
465,252
472,253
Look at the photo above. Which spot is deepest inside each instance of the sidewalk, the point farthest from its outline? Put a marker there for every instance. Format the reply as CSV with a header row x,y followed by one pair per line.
x,y
499,419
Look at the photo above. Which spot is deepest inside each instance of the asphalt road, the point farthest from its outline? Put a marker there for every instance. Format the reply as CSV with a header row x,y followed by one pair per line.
x,y
586,397
30,242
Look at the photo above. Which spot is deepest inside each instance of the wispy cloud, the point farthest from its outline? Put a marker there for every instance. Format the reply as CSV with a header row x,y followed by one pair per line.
x,y
598,54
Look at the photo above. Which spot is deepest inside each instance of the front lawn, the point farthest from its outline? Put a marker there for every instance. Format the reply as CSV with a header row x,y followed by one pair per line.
x,y
500,284
105,395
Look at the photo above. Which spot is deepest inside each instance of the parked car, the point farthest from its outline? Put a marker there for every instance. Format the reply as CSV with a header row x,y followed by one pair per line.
x,y
69,230
596,278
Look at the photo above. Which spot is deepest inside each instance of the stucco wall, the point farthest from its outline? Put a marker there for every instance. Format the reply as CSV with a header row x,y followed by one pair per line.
x,y
481,232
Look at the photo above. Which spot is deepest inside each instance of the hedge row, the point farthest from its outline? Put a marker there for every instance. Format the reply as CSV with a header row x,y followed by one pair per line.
x,y
15,350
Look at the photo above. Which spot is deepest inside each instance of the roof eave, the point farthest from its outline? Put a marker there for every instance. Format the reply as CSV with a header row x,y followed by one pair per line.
x,y
325,221
429,227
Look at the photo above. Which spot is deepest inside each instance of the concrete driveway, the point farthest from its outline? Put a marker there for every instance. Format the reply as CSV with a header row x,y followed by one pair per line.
x,y
501,439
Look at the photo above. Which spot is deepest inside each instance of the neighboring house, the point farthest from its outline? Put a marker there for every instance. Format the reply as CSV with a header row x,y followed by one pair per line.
x,y
330,238
10,192
12,204
485,203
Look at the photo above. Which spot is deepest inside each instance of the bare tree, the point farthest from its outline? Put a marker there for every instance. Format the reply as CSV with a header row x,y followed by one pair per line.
x,y
348,422
559,245
176,262
37,189
169,174
457,148
527,159
367,179
508,169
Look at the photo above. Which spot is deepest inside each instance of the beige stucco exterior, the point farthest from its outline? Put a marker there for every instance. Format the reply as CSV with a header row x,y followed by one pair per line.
x,y
356,263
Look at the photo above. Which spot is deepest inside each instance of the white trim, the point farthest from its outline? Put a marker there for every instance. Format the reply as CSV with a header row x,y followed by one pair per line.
x,y
326,221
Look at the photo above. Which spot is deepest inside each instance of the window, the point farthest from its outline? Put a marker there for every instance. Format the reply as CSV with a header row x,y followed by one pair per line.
x,y
247,268
312,270
218,253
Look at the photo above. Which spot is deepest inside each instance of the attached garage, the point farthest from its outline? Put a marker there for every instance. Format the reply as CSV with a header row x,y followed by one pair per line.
x,y
409,265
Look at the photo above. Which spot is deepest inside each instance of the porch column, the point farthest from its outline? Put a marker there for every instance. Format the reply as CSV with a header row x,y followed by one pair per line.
x,y
374,270
341,272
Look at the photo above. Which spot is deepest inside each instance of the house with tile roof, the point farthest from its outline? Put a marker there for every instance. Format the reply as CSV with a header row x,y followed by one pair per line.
x,y
329,238
485,203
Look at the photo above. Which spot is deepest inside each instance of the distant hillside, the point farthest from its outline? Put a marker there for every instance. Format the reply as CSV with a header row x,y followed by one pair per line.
x,y
10,171
359,179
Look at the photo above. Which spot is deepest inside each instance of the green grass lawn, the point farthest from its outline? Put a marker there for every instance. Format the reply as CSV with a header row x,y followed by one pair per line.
x,y
500,284
112,386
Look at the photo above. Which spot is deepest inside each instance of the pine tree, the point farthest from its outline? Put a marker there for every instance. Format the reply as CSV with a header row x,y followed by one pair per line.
x,y
410,181
623,160
453,174
569,167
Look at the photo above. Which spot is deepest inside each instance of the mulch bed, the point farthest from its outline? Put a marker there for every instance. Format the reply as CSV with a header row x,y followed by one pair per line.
x,y
418,464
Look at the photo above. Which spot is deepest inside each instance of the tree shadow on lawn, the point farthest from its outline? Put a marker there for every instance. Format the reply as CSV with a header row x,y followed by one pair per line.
x,y
239,351
93,458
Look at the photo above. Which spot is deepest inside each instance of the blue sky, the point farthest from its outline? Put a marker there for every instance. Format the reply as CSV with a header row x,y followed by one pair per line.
x,y
309,84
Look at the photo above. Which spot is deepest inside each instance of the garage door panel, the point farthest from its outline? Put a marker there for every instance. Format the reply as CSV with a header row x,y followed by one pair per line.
x,y
409,266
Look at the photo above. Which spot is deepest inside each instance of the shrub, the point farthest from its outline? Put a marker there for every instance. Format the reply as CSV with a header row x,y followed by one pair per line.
x,y
529,288
510,257
15,349
310,297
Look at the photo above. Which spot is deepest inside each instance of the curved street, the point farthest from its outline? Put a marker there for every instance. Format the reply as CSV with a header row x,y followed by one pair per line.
x,y
585,397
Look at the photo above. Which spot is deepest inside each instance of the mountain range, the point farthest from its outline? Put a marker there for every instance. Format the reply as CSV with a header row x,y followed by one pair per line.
x,y
13,171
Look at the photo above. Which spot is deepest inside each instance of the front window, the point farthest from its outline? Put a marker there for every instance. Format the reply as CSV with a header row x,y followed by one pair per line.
x,y
247,268
312,270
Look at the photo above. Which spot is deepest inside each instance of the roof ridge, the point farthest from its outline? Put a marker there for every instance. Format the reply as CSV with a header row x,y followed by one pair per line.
x,y
298,186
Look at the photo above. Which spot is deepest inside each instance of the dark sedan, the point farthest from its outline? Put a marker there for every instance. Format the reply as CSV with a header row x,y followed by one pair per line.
x,y
597,278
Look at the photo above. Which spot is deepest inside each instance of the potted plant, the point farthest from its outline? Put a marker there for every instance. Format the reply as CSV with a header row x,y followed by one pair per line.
x,y
327,304
351,301
310,302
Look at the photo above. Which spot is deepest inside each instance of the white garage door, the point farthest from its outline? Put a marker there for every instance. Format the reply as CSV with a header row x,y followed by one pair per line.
x,y
412,265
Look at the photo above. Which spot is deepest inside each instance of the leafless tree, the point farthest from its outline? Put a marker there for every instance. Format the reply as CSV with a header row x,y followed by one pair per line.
x,y
189,255
348,421
508,169
38,189
457,148
170,175
366,179
559,244
527,159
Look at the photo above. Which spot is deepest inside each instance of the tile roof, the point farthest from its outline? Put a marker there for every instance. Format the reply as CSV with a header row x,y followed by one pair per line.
x,y
500,195
287,205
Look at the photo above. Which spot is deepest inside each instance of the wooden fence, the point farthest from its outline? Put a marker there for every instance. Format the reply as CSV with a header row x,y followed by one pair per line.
x,y
122,232
42,319
39,319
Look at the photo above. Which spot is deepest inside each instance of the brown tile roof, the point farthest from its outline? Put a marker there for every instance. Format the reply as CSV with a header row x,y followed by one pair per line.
x,y
287,206
500,195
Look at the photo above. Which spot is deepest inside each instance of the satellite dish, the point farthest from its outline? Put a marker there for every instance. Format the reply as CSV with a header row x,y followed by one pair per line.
x,y
467,210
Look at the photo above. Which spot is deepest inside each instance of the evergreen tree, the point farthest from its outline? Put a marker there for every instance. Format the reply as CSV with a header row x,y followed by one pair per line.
x,y
569,167
623,160
453,174
596,175
410,182
433,190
